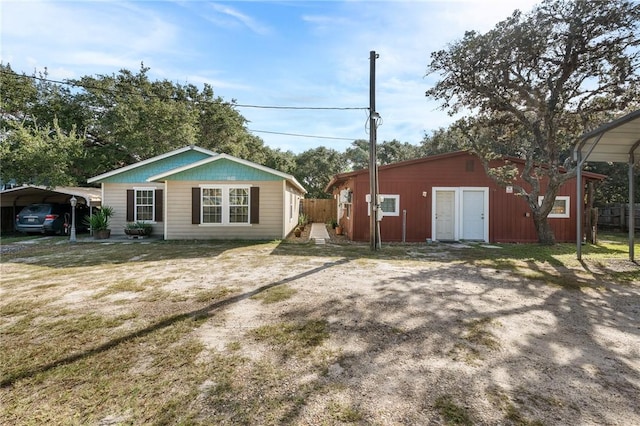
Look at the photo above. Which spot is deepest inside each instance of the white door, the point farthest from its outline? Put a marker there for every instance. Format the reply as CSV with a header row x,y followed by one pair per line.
x,y
473,215
445,215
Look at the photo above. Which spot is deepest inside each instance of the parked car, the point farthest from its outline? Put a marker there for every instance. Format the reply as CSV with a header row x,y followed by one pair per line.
x,y
48,218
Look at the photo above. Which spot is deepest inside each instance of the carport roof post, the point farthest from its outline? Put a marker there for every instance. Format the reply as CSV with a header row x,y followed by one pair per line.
x,y
617,142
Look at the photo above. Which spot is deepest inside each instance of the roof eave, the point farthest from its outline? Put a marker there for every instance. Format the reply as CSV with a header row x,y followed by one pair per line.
x,y
97,179
216,157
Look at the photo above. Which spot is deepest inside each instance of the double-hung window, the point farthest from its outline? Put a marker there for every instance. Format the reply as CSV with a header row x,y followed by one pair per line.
x,y
225,205
211,205
238,205
144,204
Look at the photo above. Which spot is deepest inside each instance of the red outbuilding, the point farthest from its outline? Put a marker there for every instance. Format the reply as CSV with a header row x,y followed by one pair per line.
x,y
448,197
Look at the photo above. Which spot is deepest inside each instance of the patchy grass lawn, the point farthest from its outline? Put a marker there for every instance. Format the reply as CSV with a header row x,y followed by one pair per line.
x,y
557,265
277,333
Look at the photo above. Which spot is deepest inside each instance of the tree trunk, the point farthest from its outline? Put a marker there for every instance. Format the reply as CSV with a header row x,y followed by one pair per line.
x,y
544,231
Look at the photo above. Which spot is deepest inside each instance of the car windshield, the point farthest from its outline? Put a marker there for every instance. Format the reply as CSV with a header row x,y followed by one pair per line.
x,y
36,208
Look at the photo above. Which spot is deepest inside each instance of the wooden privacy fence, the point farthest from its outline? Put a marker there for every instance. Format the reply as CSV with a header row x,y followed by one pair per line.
x,y
319,210
616,216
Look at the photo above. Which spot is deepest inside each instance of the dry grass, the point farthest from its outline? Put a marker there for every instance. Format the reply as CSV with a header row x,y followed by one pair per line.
x,y
111,333
275,294
452,413
291,339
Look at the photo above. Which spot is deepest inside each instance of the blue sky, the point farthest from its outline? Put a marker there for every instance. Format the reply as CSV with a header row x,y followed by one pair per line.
x,y
279,53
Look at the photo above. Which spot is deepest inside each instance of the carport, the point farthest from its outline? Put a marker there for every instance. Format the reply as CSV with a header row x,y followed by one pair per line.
x,y
614,142
12,200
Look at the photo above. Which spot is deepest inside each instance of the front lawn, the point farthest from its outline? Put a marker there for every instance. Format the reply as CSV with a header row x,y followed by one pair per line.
x,y
278,333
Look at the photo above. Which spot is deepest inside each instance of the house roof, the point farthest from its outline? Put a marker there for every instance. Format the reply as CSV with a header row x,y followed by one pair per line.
x,y
28,194
149,161
342,177
611,142
219,157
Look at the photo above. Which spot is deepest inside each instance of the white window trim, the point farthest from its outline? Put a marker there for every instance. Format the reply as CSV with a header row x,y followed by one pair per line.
x,y
225,205
153,203
567,201
386,197
292,198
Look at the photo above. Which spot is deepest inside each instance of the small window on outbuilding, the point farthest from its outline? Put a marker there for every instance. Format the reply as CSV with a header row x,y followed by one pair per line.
x,y
390,204
560,207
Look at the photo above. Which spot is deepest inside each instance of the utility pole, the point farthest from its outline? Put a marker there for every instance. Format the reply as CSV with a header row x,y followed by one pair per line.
x,y
374,230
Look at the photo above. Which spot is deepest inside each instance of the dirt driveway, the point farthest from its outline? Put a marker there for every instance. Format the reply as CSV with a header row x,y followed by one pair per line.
x,y
231,333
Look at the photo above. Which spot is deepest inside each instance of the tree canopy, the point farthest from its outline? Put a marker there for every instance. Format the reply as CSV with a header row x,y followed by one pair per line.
x,y
97,123
316,167
536,82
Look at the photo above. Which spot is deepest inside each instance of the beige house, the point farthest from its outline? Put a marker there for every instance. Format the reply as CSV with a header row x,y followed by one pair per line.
x,y
193,193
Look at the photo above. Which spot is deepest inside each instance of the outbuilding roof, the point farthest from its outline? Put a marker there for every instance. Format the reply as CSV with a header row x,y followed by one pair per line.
x,y
341,177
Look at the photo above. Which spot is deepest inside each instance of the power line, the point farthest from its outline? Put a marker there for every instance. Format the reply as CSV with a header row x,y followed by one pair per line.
x,y
175,98
299,107
303,136
112,91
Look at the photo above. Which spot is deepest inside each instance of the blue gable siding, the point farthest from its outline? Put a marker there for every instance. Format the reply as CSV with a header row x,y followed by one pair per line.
x,y
224,169
140,174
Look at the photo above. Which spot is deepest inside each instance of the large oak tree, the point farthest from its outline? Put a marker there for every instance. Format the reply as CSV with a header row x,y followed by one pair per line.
x,y
315,168
97,123
536,82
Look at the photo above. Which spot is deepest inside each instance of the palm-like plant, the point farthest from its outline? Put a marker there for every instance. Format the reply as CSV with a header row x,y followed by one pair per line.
x,y
99,221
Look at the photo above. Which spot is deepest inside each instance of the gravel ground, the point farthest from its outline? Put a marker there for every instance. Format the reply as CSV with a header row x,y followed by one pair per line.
x,y
506,350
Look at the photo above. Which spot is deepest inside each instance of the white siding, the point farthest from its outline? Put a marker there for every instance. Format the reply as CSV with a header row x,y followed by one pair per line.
x,y
178,213
290,224
115,195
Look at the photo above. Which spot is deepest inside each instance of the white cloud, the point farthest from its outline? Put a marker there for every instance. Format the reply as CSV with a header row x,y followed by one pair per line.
x,y
223,13
86,37
289,53
404,34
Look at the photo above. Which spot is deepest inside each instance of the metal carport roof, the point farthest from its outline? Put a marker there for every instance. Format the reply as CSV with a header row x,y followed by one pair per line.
x,y
28,194
616,142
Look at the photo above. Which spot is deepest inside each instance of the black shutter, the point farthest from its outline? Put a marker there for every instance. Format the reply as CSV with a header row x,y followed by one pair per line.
x,y
254,214
159,200
131,204
195,206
